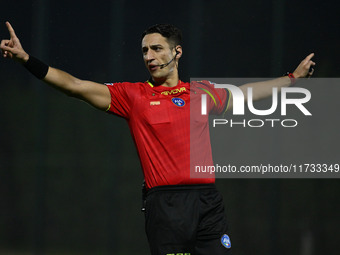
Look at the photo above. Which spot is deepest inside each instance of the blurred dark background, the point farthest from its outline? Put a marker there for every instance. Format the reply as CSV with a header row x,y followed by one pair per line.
x,y
70,178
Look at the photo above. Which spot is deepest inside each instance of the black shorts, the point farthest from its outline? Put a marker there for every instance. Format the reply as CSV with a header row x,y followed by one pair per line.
x,y
186,220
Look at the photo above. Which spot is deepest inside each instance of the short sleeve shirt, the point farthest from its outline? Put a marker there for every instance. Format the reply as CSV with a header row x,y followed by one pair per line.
x,y
162,127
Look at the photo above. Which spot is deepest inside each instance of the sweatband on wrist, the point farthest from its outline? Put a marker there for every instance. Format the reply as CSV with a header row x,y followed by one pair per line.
x,y
36,67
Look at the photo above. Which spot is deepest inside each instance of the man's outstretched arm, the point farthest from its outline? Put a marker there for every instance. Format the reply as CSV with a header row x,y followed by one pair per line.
x,y
264,89
96,94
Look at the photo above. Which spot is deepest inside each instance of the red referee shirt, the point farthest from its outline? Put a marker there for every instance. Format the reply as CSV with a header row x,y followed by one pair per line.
x,y
159,121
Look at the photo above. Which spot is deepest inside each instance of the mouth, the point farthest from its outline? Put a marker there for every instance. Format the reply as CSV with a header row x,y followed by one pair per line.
x,y
152,67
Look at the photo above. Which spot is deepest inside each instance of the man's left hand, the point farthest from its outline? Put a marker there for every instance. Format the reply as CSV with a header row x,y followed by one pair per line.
x,y
305,69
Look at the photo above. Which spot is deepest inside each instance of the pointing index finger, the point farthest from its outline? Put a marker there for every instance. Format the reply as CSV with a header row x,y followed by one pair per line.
x,y
309,57
10,30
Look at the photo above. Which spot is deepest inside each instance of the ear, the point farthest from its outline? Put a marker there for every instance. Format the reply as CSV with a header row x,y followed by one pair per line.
x,y
179,51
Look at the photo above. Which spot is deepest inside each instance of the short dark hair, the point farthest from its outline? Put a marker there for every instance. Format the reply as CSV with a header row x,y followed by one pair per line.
x,y
172,33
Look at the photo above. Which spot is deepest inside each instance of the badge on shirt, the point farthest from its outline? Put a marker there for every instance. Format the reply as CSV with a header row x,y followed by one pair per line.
x,y
178,101
155,102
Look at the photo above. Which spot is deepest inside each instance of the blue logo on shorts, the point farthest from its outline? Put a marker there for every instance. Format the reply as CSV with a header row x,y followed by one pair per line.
x,y
225,240
178,101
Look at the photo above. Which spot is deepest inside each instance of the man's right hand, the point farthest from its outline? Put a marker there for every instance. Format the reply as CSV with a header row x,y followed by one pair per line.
x,y
12,48
98,95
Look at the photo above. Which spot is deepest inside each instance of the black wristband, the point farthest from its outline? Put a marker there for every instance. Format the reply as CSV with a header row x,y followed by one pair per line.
x,y
36,67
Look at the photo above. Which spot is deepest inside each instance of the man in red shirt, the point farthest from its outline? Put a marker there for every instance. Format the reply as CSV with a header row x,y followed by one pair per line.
x,y
183,215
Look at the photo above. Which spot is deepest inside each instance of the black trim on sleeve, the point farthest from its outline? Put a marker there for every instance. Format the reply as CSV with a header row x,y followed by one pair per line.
x,y
225,109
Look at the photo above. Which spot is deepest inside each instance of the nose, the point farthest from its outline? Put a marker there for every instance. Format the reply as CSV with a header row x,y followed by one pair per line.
x,y
148,55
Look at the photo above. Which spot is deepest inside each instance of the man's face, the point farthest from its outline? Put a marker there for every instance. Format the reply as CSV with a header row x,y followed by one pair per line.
x,y
157,51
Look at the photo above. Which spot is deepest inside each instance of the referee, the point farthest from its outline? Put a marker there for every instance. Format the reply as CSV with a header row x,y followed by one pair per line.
x,y
183,215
